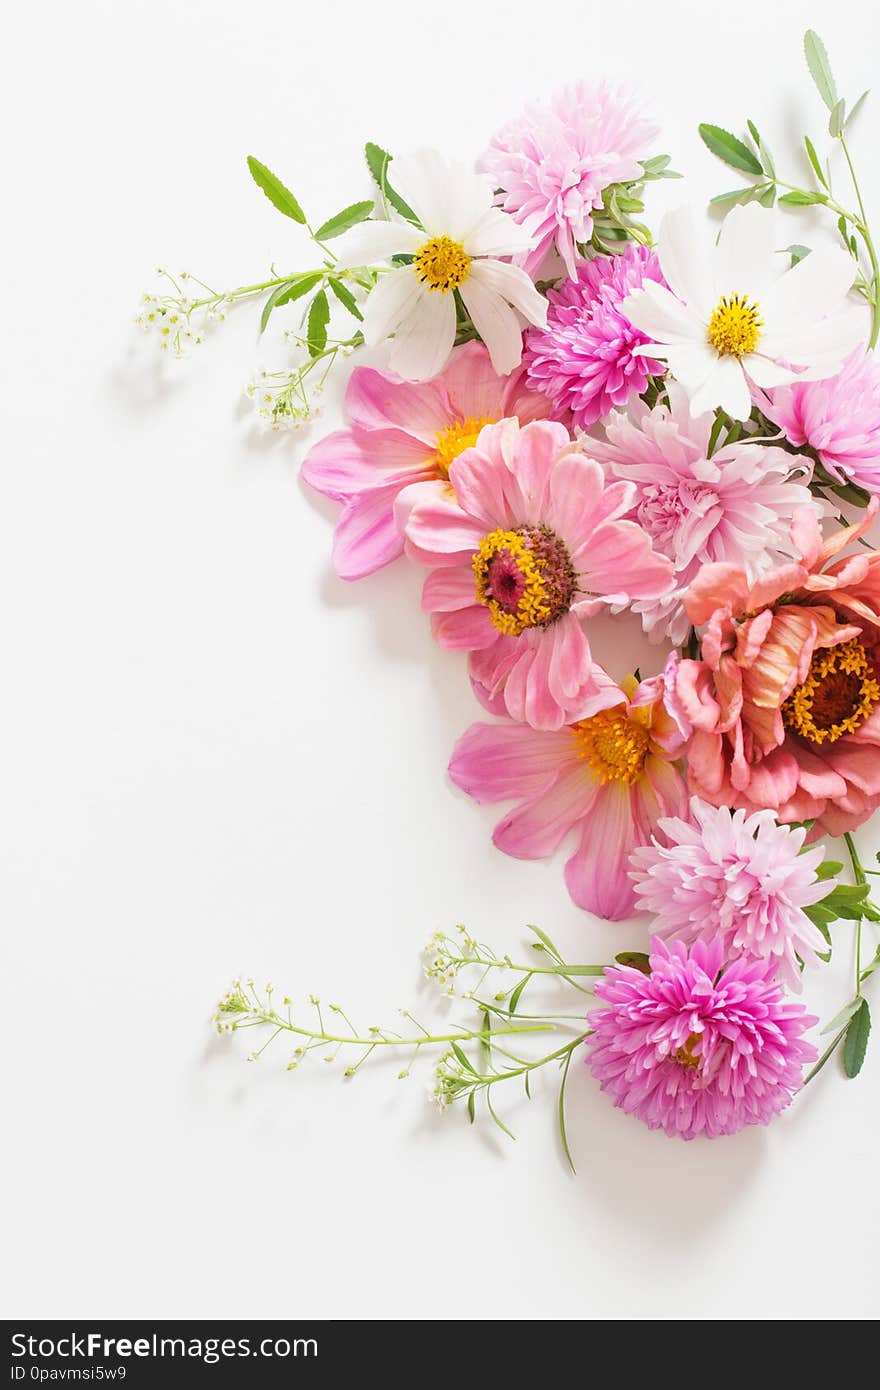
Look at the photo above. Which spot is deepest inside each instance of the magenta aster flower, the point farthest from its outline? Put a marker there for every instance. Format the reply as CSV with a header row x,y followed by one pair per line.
x,y
697,1046
555,161
528,541
584,360
838,417
738,879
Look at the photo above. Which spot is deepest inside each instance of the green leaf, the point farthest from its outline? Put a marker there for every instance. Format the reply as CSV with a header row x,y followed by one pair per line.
x,y
547,943
837,119
463,1058
515,997
802,198
857,1040
728,148
637,959
829,868
348,217
820,68
283,294
377,163
500,1123
345,296
735,195
814,161
872,965
797,253
319,317
768,198
471,1104
763,150
856,109
842,1019
279,196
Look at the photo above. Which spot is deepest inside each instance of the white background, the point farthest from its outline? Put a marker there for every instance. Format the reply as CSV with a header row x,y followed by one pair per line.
x,y
218,758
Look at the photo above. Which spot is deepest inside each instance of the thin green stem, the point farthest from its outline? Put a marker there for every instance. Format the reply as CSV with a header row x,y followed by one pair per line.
x,y
869,246
378,1040
860,877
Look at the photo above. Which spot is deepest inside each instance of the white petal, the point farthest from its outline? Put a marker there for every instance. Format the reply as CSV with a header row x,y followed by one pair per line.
x,y
684,262
764,372
691,364
744,260
423,180
725,387
424,341
376,241
389,303
816,286
496,234
513,285
823,347
496,324
664,318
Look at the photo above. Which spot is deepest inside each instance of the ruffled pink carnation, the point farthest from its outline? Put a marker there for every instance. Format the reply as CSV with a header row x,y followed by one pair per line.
x,y
584,360
555,161
741,880
698,1047
526,543
838,417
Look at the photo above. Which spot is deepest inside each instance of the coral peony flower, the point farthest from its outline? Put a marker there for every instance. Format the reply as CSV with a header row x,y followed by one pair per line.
x,y
610,776
736,506
403,433
839,418
697,1046
785,702
554,162
529,542
735,316
740,880
456,249
584,359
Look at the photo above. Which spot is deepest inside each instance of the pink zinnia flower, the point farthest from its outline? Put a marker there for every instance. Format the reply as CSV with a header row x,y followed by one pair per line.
x,y
403,433
528,543
735,507
785,702
555,161
740,880
584,359
609,776
697,1046
838,417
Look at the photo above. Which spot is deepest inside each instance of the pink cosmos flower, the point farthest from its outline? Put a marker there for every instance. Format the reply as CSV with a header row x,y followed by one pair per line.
x,y
698,1047
735,507
403,433
740,880
785,702
529,542
610,776
838,417
555,161
584,359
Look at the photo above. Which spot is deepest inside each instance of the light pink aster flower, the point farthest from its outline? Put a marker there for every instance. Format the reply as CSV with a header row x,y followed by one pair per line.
x,y
838,417
733,508
741,880
555,161
698,1047
610,777
584,359
529,542
402,433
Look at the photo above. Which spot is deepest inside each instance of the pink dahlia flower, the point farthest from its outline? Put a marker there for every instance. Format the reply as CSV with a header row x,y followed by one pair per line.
x,y
583,361
610,777
403,433
697,1046
527,543
785,701
735,507
838,417
554,162
740,880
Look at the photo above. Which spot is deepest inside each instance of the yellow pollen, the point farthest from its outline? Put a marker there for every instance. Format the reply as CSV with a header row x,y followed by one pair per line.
x,y
685,1056
454,440
613,744
841,691
735,326
442,264
532,608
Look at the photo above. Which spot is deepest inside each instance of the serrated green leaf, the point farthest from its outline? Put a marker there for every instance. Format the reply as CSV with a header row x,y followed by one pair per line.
x,y
842,1019
820,68
856,109
342,221
377,163
279,196
802,198
316,329
857,1040
283,294
768,198
730,149
763,150
837,119
735,195
814,161
345,296
656,165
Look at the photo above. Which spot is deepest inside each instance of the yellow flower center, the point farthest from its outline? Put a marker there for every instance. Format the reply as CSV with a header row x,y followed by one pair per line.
x,y
735,326
454,440
839,694
614,745
524,577
685,1056
442,264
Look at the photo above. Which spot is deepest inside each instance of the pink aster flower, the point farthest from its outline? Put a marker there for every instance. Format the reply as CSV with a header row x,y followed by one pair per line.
x,y
740,880
838,417
529,542
403,433
698,1047
735,507
584,359
610,777
555,161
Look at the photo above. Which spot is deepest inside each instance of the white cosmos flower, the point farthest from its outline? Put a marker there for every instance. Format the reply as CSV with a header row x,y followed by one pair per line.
x,y
736,313
458,249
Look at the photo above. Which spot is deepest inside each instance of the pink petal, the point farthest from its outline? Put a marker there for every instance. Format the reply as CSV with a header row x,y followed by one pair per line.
x,y
570,671
597,874
447,590
484,486
575,488
467,630
620,561
475,389
378,400
537,448
435,524
366,537
538,827
501,762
